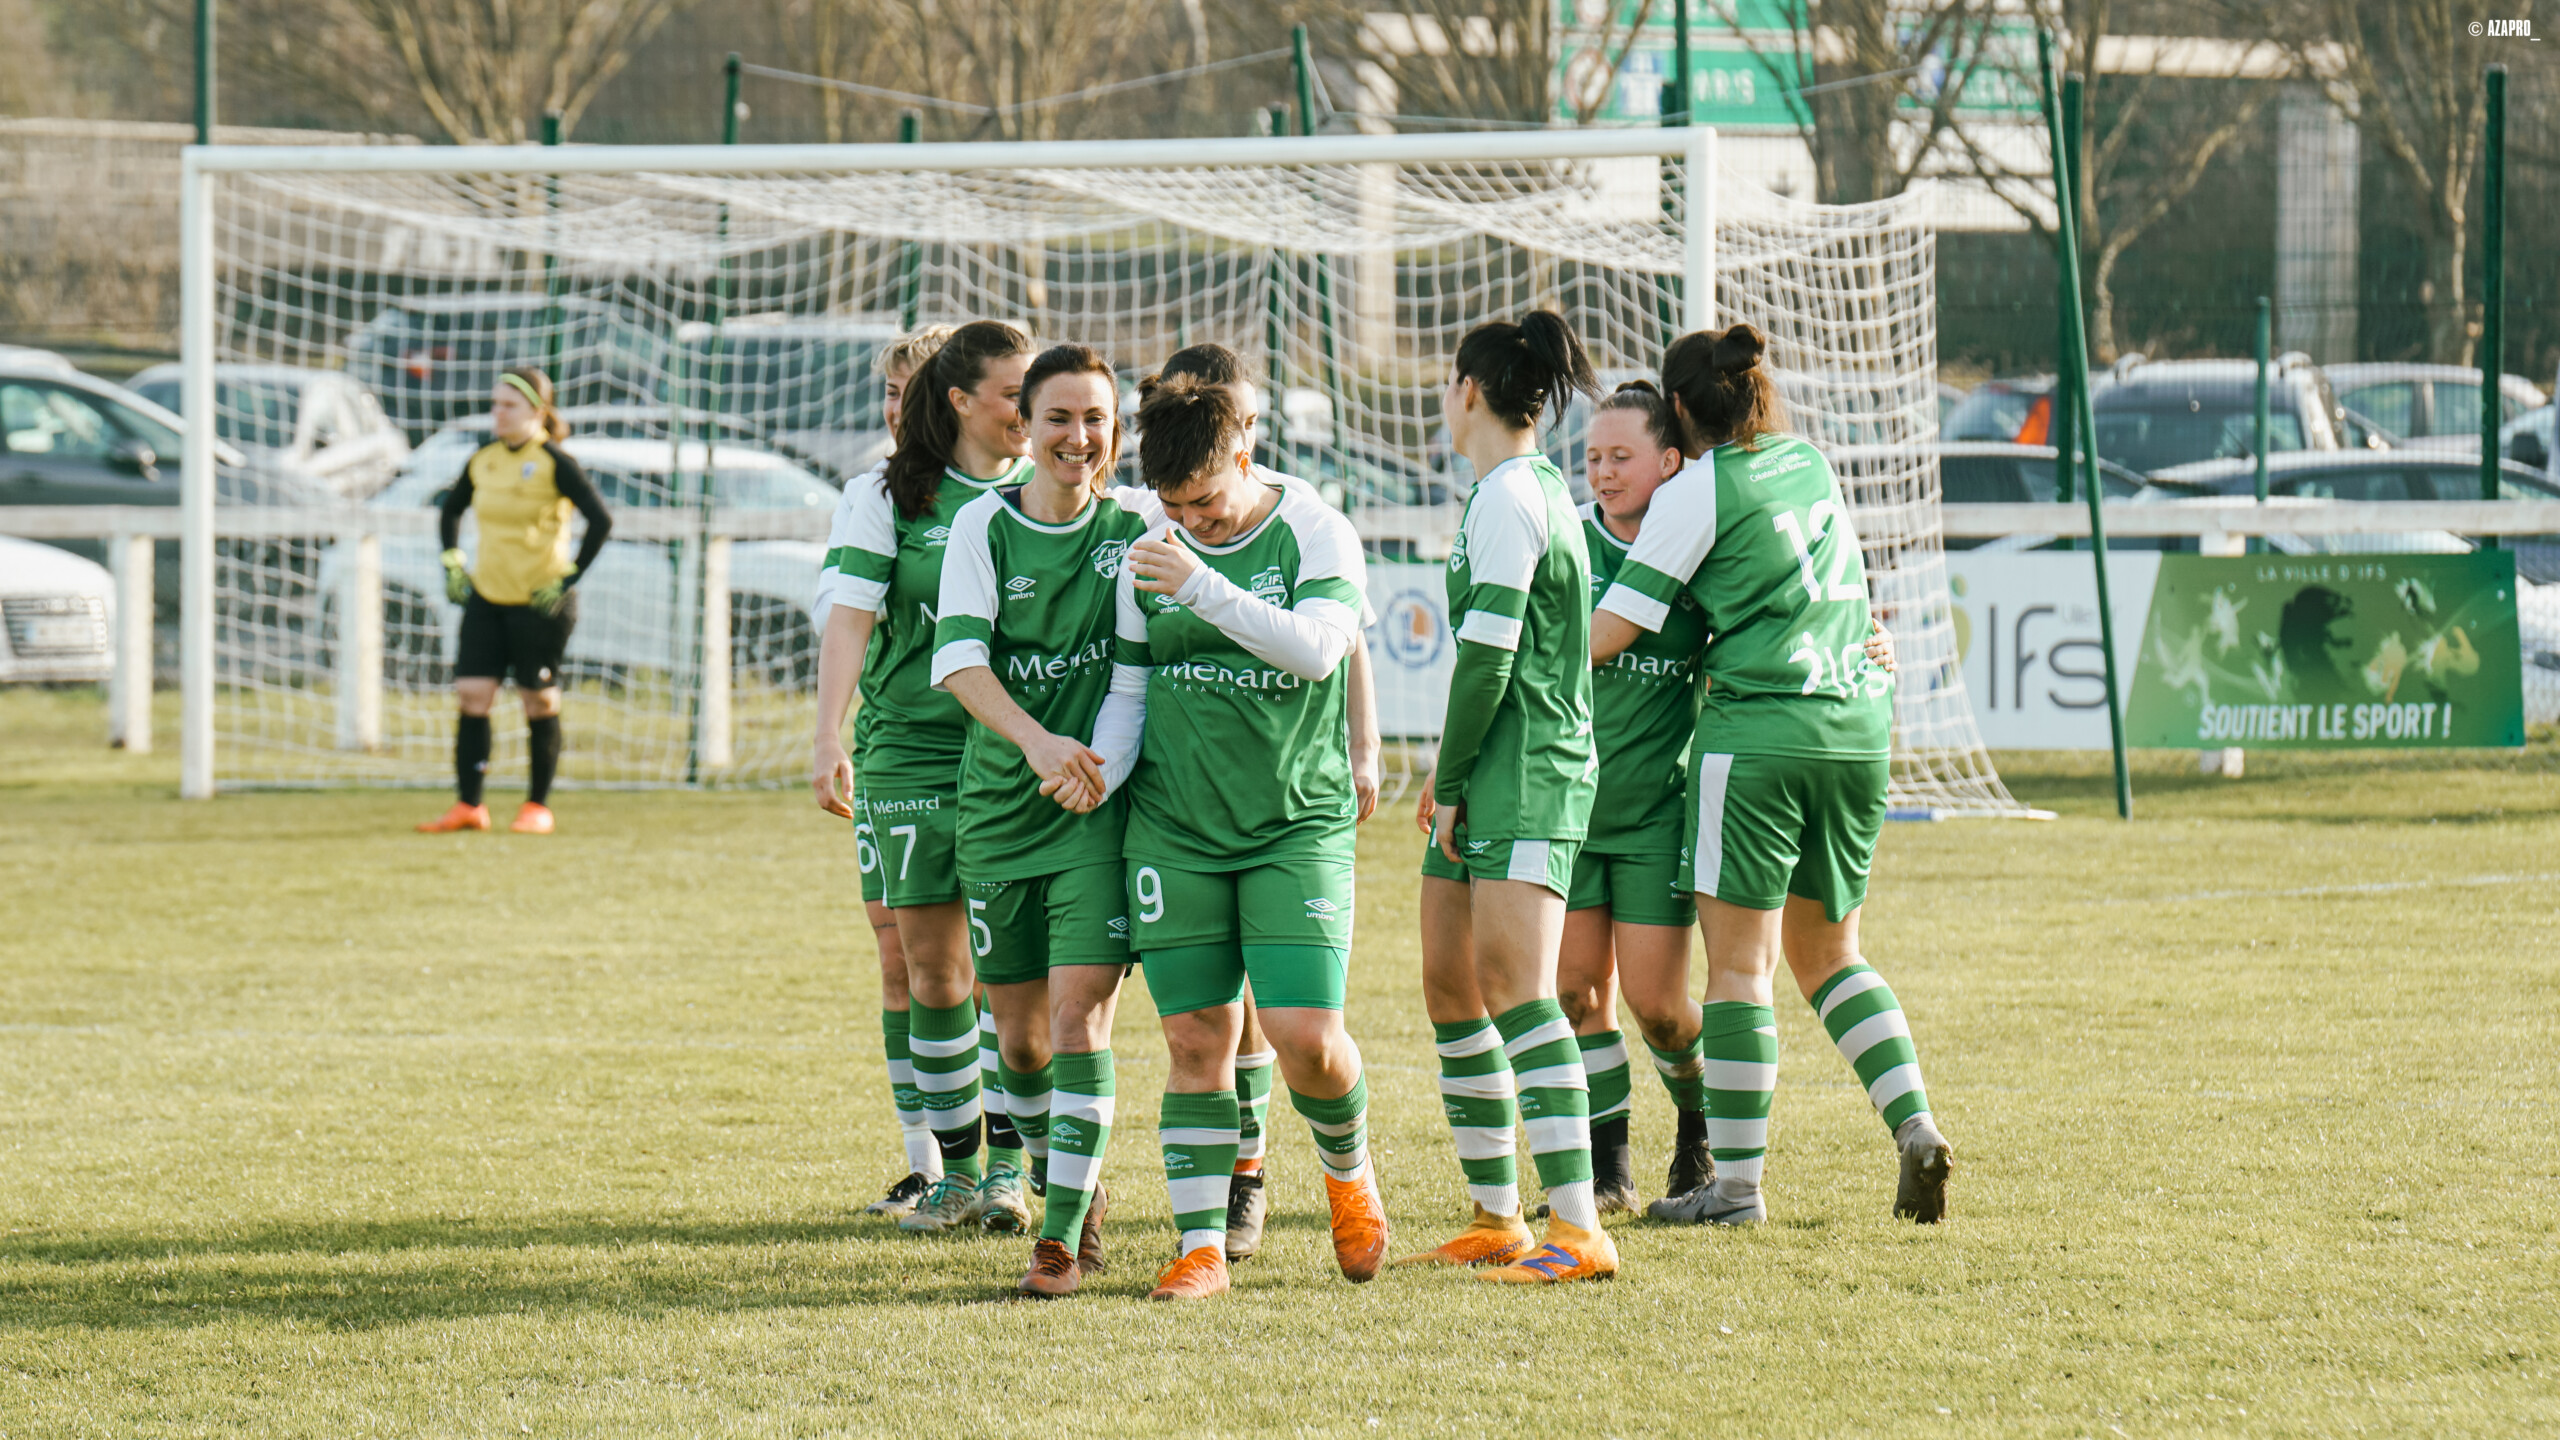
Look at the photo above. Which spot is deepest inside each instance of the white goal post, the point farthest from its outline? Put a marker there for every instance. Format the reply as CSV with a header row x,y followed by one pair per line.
x,y
1345,267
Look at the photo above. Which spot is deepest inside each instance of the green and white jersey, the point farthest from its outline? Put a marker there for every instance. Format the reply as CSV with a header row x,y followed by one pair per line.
x,y
1034,603
1246,753
907,736
1518,749
1644,708
1761,540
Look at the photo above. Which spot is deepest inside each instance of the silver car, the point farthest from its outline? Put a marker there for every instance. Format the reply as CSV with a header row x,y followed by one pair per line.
x,y
316,423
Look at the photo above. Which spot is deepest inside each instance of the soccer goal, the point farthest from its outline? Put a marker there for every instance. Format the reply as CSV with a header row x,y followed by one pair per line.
x,y
713,314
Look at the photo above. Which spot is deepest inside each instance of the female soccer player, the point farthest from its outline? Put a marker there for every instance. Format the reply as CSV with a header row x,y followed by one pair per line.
x,y
1512,802
1786,790
846,626
1233,631
517,609
1023,641
1247,1200
960,435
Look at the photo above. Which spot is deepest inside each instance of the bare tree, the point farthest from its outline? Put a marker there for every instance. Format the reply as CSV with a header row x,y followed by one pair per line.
x,y
1865,57
1461,60
2409,75
487,69
2145,144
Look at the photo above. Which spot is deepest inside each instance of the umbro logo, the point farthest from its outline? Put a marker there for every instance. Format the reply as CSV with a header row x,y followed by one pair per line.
x,y
1063,1132
1478,847
1020,586
937,535
1119,924
1319,906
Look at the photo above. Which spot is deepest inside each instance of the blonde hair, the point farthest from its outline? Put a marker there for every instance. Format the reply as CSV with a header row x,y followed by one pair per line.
x,y
907,354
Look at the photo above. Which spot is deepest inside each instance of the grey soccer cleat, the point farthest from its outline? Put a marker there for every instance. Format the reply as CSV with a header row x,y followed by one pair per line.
x,y
1712,1204
1247,1206
1001,1207
951,1204
902,1197
1927,1161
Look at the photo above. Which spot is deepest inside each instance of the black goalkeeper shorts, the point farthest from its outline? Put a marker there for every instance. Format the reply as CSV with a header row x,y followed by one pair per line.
x,y
500,639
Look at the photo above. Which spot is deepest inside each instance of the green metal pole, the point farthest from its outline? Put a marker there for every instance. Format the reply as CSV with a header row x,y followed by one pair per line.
x,y
1273,326
910,254
2076,358
2062,407
204,72
2264,434
551,253
1323,265
729,108
2493,292
1682,76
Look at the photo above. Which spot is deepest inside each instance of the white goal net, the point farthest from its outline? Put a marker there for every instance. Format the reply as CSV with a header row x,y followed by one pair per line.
x,y
714,316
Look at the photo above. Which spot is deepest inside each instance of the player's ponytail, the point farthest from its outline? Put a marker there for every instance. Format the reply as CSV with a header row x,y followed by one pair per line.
x,y
1645,399
928,423
1725,396
534,385
1190,427
1522,368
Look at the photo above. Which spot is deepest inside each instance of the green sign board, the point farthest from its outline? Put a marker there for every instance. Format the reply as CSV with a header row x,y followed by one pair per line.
x,y
2330,652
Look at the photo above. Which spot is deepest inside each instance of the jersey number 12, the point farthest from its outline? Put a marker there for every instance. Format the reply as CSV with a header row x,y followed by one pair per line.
x,y
1824,520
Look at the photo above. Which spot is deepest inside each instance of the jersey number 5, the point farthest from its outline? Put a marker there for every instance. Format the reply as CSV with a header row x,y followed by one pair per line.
x,y
1825,520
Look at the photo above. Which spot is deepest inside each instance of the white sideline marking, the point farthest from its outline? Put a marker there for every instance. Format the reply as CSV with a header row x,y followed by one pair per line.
x,y
2378,887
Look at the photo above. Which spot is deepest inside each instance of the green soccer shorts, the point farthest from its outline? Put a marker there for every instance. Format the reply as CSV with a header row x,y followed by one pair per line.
x,y
906,845
1636,889
1763,827
1201,935
1540,862
1019,930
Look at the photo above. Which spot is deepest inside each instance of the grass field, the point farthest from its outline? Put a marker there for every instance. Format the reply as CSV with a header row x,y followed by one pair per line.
x,y
318,1127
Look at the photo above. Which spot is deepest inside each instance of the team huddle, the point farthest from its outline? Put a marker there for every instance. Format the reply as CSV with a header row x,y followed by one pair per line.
x,y
1106,726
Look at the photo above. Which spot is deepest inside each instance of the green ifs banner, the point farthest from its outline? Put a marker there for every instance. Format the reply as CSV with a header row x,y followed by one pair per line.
x,y
2330,652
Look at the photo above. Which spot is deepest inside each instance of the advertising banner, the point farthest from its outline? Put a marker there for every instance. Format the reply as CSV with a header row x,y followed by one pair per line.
x,y
2027,640
2330,652
1411,649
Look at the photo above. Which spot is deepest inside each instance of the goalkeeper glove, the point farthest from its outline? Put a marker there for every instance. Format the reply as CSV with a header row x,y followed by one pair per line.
x,y
548,598
457,581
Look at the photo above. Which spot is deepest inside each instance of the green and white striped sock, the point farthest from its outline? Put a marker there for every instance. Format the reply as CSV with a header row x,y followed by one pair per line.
x,y
1866,1023
1555,1105
1029,1090
1683,1074
1253,1102
944,1044
1475,1092
1080,1110
1198,1134
1341,1128
1004,1141
1742,1074
923,1156
1604,1066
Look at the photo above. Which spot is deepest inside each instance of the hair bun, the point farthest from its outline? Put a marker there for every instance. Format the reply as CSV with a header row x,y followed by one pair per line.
x,y
1641,386
1738,348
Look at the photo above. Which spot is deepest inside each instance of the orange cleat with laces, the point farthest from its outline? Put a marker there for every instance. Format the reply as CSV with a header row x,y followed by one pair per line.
x,y
532,819
1195,1276
1359,1225
460,817
1489,1239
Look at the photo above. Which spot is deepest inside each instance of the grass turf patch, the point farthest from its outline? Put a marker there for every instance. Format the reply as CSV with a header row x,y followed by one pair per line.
x,y
320,1127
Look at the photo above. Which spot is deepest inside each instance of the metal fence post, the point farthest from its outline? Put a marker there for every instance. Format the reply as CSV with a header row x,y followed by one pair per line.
x,y
360,645
2493,286
129,684
2264,432
910,127
196,344
717,741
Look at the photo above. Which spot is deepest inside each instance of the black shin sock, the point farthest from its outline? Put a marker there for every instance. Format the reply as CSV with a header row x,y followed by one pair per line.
x,y
470,757
543,753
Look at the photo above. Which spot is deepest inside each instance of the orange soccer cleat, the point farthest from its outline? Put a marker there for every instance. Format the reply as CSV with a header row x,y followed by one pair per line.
x,y
532,818
1489,1239
1571,1253
1195,1276
1359,1225
460,817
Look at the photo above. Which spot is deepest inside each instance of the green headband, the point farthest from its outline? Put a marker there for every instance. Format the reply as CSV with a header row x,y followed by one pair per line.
x,y
524,388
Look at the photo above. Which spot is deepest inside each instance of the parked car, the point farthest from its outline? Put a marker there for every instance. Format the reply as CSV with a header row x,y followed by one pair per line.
x,y
2527,440
627,614
430,358
59,612
449,449
317,423
1974,472
2387,475
1949,398
2429,403
67,438
811,381
2017,409
2160,413
29,357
